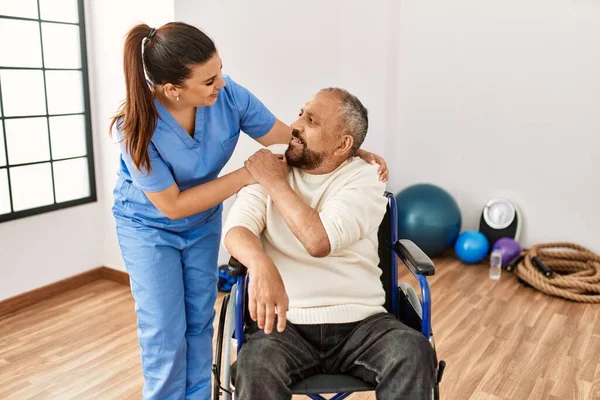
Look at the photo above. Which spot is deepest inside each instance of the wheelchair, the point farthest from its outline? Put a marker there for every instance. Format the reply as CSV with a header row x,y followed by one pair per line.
x,y
401,300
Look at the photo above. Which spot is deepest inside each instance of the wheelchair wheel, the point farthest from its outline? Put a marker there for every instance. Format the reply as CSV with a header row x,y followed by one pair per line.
x,y
222,366
219,350
412,297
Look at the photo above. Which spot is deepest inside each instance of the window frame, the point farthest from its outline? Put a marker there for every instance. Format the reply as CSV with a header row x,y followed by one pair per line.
x,y
13,215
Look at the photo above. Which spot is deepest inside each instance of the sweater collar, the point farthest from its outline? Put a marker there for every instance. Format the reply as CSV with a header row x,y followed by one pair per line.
x,y
308,177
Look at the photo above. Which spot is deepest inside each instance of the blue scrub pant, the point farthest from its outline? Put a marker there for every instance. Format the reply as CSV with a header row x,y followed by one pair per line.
x,y
174,285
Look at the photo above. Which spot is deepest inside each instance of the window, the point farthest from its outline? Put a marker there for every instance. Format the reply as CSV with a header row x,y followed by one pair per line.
x,y
46,155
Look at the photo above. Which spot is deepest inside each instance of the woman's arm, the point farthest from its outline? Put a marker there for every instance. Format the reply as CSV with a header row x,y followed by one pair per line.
x,y
175,204
280,133
373,158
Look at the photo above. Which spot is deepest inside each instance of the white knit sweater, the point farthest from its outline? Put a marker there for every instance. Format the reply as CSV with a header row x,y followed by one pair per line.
x,y
344,286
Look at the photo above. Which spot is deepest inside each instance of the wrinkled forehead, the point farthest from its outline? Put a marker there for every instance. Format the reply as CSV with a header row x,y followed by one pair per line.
x,y
324,106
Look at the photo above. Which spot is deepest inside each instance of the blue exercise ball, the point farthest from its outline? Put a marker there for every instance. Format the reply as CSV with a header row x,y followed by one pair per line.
x,y
428,216
471,247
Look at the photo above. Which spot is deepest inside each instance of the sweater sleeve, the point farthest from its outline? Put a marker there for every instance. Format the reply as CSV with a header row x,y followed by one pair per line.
x,y
355,211
249,210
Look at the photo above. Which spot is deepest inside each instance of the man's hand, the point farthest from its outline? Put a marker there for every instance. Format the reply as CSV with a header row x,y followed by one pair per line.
x,y
267,168
267,297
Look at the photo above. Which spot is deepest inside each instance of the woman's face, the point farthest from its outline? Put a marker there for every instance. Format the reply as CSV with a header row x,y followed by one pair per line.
x,y
202,88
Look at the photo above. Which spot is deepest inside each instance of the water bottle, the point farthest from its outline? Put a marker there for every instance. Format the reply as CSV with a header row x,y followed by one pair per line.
x,y
495,264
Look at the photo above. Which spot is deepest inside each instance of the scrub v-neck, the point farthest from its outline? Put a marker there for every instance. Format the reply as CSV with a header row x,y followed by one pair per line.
x,y
176,127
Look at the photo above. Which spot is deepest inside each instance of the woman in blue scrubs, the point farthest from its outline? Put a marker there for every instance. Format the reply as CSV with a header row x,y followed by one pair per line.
x,y
177,128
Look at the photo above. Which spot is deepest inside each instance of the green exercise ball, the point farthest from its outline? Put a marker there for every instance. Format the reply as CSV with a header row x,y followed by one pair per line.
x,y
428,216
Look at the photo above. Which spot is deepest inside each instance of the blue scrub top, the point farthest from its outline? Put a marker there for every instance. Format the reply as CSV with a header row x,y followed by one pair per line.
x,y
176,157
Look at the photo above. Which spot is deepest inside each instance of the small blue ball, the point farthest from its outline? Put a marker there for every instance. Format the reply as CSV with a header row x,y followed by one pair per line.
x,y
471,247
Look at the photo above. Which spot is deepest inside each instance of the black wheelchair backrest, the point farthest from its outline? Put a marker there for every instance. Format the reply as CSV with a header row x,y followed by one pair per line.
x,y
387,236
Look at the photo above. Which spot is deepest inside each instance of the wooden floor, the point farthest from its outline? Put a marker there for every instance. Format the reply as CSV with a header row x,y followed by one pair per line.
x,y
500,340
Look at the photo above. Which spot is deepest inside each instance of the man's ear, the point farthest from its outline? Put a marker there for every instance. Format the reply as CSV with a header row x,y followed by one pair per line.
x,y
344,145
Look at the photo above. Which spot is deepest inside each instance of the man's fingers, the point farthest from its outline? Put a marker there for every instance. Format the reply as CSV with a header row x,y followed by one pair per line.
x,y
281,320
260,313
261,153
270,318
252,308
282,309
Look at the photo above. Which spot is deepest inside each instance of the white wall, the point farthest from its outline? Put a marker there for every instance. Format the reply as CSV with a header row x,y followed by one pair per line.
x,y
108,22
503,99
482,98
42,249
286,51
485,99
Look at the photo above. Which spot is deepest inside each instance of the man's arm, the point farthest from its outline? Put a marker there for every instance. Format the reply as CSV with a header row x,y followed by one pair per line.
x,y
245,246
266,293
353,212
344,219
303,220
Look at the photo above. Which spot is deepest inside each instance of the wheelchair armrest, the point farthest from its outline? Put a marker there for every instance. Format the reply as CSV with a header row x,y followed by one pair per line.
x,y
414,258
236,268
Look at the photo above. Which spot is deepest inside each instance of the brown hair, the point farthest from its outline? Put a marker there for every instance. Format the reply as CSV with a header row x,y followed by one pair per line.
x,y
165,55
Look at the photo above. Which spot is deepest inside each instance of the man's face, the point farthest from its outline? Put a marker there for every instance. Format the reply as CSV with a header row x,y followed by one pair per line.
x,y
314,133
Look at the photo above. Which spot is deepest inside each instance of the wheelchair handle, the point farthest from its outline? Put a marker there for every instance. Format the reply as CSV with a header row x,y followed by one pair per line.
x,y
236,268
414,257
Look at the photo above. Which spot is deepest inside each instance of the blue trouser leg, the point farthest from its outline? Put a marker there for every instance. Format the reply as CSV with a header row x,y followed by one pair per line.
x,y
200,280
174,284
153,261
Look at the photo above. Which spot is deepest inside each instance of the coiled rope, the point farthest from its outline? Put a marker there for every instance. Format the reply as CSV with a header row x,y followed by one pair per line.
x,y
564,270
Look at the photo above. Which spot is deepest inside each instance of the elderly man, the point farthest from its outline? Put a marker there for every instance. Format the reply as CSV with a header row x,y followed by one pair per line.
x,y
308,236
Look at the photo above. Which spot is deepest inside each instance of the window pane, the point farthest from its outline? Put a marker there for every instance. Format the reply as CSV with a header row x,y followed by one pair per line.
x,y
23,93
20,43
59,10
61,46
4,195
68,136
19,8
31,186
71,179
2,148
27,140
65,94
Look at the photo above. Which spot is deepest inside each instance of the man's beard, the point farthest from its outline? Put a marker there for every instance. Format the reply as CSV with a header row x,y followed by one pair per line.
x,y
300,156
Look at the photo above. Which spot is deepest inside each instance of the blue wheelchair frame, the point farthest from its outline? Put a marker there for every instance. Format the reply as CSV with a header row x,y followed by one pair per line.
x,y
411,256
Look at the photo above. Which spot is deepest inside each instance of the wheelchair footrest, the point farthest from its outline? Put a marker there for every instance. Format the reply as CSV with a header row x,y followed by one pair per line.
x,y
330,383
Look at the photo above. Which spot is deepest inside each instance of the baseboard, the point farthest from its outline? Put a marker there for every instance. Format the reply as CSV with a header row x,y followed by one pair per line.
x,y
27,299
116,275
21,301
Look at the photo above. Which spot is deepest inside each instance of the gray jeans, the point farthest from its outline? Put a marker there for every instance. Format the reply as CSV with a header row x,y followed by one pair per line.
x,y
379,350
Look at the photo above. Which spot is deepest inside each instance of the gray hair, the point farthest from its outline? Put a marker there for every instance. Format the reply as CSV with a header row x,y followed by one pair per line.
x,y
354,117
